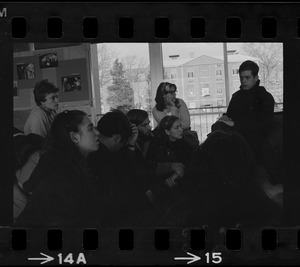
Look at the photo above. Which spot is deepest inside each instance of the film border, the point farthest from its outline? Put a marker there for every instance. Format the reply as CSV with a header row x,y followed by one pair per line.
x,y
179,15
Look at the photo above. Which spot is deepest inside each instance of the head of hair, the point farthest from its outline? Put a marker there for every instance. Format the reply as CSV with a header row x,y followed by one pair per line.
x,y
163,89
42,89
24,146
137,116
249,65
166,124
114,122
59,138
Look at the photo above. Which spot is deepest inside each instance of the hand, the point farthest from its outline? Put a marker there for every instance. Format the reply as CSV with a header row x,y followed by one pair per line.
x,y
169,100
178,168
134,136
224,118
171,181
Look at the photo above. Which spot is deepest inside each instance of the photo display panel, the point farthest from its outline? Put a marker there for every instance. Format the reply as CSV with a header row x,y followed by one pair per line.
x,y
149,133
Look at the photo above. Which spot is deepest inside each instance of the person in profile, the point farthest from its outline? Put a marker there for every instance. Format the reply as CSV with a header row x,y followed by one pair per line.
x,y
42,115
250,111
67,192
167,104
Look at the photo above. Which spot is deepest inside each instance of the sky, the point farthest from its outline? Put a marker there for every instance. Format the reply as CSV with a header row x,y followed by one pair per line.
x,y
182,49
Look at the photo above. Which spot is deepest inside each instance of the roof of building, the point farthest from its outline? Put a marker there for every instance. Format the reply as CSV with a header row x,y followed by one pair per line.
x,y
204,59
238,58
169,63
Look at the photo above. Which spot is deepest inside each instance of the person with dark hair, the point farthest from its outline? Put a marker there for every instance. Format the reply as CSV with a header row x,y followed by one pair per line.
x,y
224,188
170,154
43,114
144,170
141,119
25,156
67,193
114,161
250,111
168,104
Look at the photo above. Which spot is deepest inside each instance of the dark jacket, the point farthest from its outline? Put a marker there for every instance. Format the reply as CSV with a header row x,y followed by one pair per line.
x,y
126,192
66,195
161,155
252,112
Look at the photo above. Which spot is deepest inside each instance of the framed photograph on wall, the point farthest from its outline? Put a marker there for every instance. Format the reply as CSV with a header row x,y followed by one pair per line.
x,y
49,60
25,71
71,83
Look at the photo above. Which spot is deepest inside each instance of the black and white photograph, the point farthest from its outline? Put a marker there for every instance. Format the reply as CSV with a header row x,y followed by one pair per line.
x,y
15,88
176,144
49,60
25,71
71,83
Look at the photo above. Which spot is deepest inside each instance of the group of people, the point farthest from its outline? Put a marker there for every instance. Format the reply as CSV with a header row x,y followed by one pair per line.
x,y
122,173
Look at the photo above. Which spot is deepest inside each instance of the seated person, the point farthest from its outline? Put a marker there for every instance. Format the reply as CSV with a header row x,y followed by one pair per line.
x,y
67,192
140,118
171,154
26,154
168,104
43,114
224,189
114,163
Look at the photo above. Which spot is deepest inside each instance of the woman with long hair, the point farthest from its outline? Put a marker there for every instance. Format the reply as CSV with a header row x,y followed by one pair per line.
x,y
168,104
66,191
170,154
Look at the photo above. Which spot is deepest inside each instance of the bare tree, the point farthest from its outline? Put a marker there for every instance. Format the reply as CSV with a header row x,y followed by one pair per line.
x,y
105,62
270,57
136,69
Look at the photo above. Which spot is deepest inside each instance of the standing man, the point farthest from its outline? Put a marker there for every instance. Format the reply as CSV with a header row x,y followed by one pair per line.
x,y
251,108
42,115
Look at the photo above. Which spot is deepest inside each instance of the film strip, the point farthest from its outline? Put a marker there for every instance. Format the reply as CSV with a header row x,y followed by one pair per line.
x,y
77,23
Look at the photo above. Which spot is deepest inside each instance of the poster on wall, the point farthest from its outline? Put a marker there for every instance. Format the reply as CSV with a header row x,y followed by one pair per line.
x,y
49,60
71,83
25,71
15,87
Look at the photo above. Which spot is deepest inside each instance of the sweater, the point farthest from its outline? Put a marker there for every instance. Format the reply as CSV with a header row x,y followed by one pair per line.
x,y
182,113
39,121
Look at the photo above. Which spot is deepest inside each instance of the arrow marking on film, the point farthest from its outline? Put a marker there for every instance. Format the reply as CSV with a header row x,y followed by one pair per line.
x,y
191,259
45,260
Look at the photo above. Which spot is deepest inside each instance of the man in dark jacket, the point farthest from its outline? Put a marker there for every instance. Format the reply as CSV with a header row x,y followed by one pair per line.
x,y
251,108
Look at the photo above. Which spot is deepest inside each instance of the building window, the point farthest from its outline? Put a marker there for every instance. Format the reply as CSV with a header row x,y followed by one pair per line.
x,y
173,76
220,87
190,74
219,72
192,105
191,92
205,92
235,71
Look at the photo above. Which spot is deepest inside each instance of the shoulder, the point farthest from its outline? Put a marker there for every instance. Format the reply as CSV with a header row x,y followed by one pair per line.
x,y
181,101
265,94
37,112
